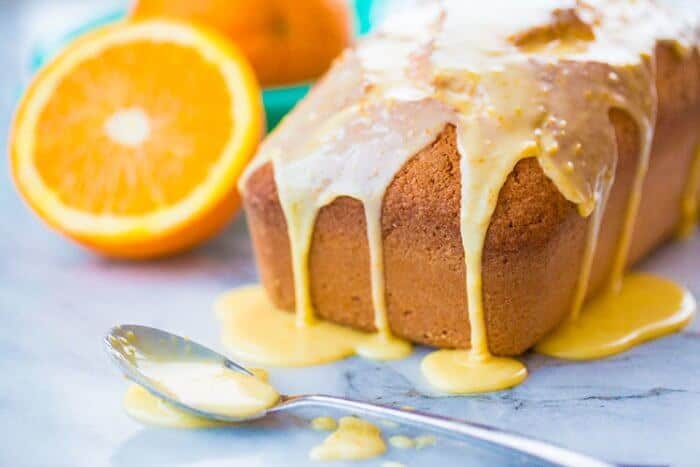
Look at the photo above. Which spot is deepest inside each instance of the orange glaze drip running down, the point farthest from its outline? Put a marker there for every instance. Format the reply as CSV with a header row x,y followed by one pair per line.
x,y
539,82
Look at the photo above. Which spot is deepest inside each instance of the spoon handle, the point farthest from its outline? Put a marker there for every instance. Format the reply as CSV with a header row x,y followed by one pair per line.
x,y
538,449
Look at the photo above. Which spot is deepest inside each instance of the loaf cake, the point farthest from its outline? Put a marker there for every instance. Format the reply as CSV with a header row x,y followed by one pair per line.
x,y
552,140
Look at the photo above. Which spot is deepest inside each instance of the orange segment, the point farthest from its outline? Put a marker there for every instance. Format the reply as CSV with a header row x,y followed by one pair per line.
x,y
132,140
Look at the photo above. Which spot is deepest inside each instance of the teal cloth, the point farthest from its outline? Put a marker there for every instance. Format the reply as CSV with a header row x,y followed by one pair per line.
x,y
278,101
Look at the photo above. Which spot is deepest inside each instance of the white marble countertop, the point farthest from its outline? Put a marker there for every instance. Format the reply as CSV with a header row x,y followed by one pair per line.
x,y
60,399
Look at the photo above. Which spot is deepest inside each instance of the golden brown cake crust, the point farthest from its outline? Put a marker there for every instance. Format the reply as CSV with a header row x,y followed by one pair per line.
x,y
533,247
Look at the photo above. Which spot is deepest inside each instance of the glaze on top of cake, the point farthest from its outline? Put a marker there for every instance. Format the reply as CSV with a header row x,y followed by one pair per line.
x,y
516,79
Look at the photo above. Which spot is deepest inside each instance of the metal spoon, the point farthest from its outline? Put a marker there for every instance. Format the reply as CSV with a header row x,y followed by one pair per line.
x,y
129,344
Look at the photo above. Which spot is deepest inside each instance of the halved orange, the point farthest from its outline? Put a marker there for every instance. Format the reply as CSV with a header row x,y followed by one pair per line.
x,y
132,140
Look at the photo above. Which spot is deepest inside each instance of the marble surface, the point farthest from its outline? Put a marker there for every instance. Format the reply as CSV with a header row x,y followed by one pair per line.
x,y
60,399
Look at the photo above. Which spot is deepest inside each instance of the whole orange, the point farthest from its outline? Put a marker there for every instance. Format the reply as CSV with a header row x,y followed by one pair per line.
x,y
287,41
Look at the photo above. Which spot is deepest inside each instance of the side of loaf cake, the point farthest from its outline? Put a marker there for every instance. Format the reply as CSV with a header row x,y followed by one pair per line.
x,y
558,230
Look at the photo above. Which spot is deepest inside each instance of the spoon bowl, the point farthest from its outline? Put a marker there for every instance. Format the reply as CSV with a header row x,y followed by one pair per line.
x,y
132,346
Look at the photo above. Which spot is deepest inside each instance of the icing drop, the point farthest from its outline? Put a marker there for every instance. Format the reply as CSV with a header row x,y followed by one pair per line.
x,y
355,439
464,372
324,424
620,261
383,346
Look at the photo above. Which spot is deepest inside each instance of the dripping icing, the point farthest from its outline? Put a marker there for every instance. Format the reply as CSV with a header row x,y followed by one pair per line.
x,y
537,82
690,204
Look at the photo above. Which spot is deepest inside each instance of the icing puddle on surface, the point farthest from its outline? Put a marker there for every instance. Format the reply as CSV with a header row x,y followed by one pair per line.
x,y
254,330
464,372
644,308
354,439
